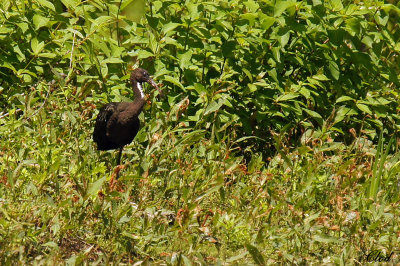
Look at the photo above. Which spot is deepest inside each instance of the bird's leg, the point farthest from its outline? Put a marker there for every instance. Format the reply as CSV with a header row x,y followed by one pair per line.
x,y
115,174
119,156
119,159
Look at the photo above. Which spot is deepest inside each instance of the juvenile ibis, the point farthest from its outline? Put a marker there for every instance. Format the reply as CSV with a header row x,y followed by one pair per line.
x,y
118,122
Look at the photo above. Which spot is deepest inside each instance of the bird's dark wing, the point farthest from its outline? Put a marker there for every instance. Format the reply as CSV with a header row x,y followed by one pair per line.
x,y
123,124
100,128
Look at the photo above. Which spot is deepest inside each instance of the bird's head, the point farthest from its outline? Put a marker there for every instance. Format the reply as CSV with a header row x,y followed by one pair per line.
x,y
141,75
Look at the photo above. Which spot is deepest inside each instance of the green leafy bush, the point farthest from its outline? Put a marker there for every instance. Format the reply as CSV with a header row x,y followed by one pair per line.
x,y
252,67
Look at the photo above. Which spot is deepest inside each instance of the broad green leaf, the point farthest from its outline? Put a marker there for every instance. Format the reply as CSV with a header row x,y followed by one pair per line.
x,y
320,77
344,99
252,87
284,38
273,74
213,106
305,92
276,54
314,115
382,18
184,60
47,55
70,3
391,7
200,89
134,10
95,187
334,70
226,24
125,3
173,81
170,26
144,54
383,101
344,112
46,4
193,10
336,5
40,21
153,42
287,97
281,6
353,25
104,70
267,22
76,32
8,65
112,60
5,30
19,52
252,6
397,47
364,108
248,74
100,22
36,46
251,17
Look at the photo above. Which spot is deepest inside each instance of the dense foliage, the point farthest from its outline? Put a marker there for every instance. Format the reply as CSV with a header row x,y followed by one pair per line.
x,y
276,140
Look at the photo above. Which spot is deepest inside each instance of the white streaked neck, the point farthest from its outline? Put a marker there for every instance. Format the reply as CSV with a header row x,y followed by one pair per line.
x,y
139,85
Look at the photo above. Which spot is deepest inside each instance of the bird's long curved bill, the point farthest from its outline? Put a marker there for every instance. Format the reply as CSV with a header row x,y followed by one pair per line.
x,y
154,84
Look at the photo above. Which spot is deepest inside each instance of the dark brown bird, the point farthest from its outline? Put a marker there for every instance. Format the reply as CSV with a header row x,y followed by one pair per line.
x,y
118,123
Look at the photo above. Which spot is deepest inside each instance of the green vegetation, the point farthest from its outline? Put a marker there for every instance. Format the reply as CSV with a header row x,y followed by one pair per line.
x,y
276,141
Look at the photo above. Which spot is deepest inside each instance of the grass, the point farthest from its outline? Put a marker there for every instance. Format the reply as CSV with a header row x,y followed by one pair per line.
x,y
185,197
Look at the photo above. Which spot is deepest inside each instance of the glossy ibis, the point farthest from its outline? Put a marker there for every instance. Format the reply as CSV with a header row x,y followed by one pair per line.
x,y
118,123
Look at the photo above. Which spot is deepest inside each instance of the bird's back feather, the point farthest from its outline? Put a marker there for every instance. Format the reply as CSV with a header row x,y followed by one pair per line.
x,y
100,128
116,125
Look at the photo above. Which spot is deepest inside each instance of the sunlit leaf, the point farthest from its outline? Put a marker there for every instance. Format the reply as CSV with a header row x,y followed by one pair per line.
x,y
40,21
287,97
36,46
184,61
144,54
47,4
95,187
173,81
344,99
364,108
169,27
282,6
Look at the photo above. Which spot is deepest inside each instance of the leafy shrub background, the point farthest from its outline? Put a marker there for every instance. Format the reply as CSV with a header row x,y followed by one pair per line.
x,y
246,83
